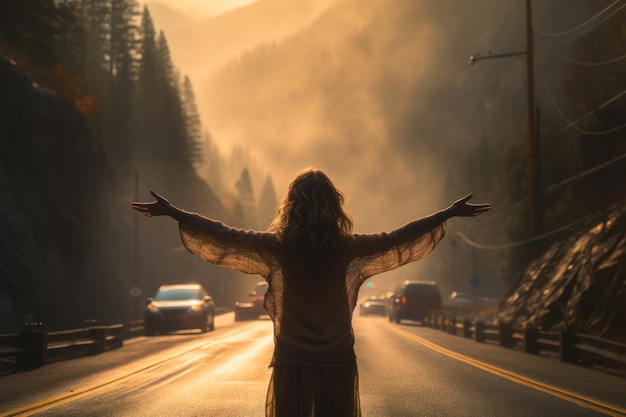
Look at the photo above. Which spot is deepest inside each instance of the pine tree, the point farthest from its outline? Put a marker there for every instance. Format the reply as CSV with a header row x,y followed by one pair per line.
x,y
245,200
193,124
120,108
172,121
267,203
148,97
213,172
96,16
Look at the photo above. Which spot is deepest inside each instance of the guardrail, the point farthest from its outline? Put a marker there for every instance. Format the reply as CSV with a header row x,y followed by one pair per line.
x,y
35,347
568,346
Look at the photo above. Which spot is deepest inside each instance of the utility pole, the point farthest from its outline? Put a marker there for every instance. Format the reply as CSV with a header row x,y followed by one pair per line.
x,y
135,292
533,177
532,134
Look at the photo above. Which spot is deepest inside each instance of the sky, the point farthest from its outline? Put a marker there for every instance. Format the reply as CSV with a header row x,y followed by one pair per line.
x,y
202,8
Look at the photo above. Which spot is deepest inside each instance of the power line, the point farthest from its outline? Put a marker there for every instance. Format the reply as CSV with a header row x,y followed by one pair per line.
x,y
588,218
520,242
584,173
583,24
572,124
560,184
578,62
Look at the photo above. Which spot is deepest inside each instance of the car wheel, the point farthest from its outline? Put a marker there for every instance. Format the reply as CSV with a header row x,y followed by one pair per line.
x,y
397,318
212,323
148,331
204,327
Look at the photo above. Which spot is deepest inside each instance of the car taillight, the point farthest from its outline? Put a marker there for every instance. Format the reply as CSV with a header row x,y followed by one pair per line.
x,y
403,301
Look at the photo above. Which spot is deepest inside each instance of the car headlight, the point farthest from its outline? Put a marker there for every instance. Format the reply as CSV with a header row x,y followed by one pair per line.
x,y
152,308
196,308
366,305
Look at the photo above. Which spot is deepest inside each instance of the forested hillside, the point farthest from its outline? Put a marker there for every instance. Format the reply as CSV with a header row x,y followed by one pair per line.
x,y
382,94
93,112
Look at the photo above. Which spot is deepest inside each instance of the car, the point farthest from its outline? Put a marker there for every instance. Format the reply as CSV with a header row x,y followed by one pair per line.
x,y
373,305
462,300
179,307
252,309
414,300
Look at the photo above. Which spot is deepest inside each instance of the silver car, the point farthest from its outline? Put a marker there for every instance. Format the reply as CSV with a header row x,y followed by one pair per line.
x,y
179,307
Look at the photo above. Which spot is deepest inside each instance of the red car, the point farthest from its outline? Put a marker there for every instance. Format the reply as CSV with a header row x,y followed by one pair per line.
x,y
252,309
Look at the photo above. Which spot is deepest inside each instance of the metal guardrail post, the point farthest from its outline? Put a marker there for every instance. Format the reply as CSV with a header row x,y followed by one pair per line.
x,y
99,334
467,328
479,331
530,340
506,335
35,349
452,325
567,352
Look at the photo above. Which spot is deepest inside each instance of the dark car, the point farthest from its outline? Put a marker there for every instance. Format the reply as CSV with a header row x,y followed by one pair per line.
x,y
373,306
253,308
414,300
179,307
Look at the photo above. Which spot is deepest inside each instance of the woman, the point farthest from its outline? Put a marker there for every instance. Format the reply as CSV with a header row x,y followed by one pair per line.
x,y
314,266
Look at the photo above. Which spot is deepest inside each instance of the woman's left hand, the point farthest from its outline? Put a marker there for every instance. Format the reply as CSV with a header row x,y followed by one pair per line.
x,y
462,208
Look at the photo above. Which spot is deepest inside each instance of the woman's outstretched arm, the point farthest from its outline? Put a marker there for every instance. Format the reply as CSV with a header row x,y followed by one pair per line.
x,y
213,241
382,252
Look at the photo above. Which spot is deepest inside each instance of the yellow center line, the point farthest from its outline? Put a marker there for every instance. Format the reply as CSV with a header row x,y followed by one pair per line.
x,y
58,400
584,401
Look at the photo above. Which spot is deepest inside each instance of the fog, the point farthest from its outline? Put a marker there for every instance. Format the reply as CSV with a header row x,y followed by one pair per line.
x,y
378,94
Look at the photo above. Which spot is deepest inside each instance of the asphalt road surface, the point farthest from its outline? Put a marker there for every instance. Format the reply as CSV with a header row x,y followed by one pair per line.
x,y
404,370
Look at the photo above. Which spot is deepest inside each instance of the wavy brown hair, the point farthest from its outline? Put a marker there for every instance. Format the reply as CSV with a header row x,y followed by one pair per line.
x,y
311,221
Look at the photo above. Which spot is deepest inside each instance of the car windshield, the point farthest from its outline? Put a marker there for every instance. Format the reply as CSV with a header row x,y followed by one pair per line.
x,y
178,294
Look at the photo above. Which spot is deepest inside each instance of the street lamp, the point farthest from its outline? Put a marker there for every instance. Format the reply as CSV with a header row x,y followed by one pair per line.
x,y
533,166
473,59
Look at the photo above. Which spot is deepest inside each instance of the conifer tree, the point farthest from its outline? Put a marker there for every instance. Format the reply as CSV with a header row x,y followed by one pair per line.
x,y
267,203
245,200
193,124
148,97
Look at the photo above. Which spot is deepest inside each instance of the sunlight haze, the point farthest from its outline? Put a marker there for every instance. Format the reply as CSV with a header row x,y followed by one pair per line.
x,y
378,94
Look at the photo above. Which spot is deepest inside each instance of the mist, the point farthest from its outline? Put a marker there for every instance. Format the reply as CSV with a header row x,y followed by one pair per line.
x,y
377,94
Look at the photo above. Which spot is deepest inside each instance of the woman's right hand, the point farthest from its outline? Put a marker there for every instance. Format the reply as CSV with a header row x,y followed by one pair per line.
x,y
160,207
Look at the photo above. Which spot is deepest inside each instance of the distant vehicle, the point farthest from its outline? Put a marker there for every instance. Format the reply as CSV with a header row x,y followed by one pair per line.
x,y
462,299
179,307
414,300
252,309
373,305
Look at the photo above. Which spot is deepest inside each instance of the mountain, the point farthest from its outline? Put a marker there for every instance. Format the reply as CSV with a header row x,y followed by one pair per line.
x,y
62,223
199,48
67,228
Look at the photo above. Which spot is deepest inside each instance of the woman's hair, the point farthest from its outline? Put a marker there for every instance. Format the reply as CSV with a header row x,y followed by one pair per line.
x,y
311,221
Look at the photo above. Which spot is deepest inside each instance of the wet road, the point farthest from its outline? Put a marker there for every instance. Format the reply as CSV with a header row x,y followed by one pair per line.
x,y
405,370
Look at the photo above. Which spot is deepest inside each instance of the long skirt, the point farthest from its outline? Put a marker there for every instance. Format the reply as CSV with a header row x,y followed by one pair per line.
x,y
313,391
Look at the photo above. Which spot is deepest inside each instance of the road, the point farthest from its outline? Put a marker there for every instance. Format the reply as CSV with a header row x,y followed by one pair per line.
x,y
404,370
